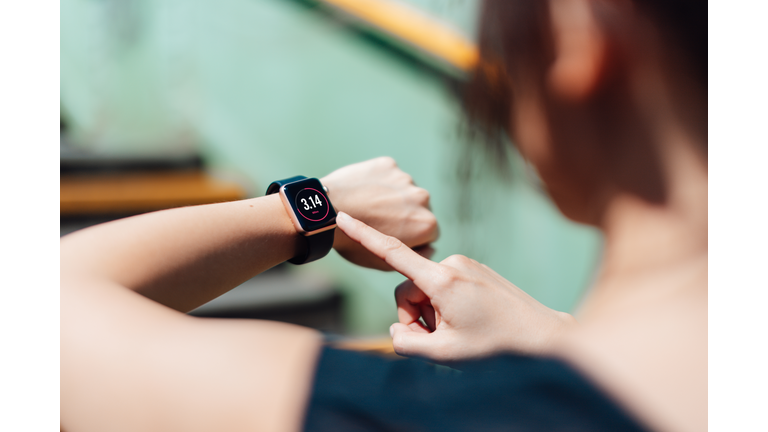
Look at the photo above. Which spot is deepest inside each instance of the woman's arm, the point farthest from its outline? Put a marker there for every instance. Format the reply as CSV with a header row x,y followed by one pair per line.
x,y
131,361
470,311
128,363
184,257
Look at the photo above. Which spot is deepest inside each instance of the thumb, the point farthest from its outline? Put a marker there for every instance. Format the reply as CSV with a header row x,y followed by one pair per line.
x,y
412,343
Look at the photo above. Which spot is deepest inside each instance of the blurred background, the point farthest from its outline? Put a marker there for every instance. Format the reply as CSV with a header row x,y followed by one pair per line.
x,y
176,102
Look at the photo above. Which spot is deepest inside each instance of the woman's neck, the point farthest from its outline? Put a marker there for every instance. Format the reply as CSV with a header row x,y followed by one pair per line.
x,y
646,243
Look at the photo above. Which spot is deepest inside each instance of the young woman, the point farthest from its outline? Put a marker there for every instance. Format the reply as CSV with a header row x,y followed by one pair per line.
x,y
607,99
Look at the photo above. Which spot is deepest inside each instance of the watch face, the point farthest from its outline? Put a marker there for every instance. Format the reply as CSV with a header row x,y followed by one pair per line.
x,y
311,206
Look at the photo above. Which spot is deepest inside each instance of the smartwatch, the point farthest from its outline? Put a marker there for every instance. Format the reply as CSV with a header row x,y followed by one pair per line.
x,y
306,201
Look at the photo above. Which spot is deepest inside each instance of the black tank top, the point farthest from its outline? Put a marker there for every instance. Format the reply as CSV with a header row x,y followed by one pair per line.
x,y
356,391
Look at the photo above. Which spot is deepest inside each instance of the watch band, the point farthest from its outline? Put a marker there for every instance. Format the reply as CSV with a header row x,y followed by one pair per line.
x,y
275,185
318,245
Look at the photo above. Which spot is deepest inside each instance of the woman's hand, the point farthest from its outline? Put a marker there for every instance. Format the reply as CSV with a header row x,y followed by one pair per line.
x,y
383,196
470,311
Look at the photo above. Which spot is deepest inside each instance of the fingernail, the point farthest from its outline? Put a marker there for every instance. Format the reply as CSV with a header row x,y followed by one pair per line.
x,y
341,215
392,330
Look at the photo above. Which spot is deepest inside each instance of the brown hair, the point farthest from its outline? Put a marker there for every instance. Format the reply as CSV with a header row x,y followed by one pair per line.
x,y
514,40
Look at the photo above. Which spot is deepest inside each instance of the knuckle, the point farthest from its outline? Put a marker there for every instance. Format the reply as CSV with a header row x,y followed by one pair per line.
x,y
457,260
387,161
431,222
426,226
405,177
445,277
392,243
422,195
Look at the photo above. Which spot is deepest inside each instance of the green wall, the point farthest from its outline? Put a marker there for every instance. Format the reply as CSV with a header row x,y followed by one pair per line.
x,y
267,89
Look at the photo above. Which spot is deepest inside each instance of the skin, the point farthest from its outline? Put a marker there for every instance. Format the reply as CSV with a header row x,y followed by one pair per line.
x,y
130,360
642,328
390,188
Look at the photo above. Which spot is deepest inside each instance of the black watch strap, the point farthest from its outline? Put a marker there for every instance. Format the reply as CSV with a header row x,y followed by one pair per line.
x,y
275,185
318,245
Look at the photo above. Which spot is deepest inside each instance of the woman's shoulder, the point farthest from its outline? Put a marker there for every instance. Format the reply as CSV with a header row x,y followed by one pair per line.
x,y
651,355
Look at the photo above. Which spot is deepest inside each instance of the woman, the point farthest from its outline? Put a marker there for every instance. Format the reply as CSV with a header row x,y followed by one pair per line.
x,y
607,100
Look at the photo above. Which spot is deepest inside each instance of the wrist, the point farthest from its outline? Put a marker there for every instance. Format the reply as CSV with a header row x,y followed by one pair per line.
x,y
284,226
340,240
331,190
305,201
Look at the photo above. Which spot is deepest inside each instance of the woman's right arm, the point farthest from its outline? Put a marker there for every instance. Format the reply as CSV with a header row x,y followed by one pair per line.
x,y
470,311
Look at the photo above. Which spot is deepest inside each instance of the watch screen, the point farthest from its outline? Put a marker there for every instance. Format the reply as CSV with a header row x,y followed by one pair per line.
x,y
310,204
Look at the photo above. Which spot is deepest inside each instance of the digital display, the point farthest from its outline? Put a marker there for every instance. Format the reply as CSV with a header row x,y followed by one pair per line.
x,y
310,204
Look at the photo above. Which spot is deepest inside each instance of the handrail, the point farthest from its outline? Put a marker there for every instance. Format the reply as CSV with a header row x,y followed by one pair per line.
x,y
414,27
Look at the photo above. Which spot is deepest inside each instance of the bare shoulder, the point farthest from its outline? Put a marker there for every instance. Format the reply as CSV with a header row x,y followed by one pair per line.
x,y
651,353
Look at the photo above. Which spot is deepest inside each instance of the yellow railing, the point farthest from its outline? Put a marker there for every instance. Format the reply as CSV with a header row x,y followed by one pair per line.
x,y
414,27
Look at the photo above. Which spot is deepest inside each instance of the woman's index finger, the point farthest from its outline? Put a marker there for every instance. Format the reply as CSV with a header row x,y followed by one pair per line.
x,y
402,258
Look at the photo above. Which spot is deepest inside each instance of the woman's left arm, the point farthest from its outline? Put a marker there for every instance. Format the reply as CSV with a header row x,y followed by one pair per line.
x,y
185,257
131,363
